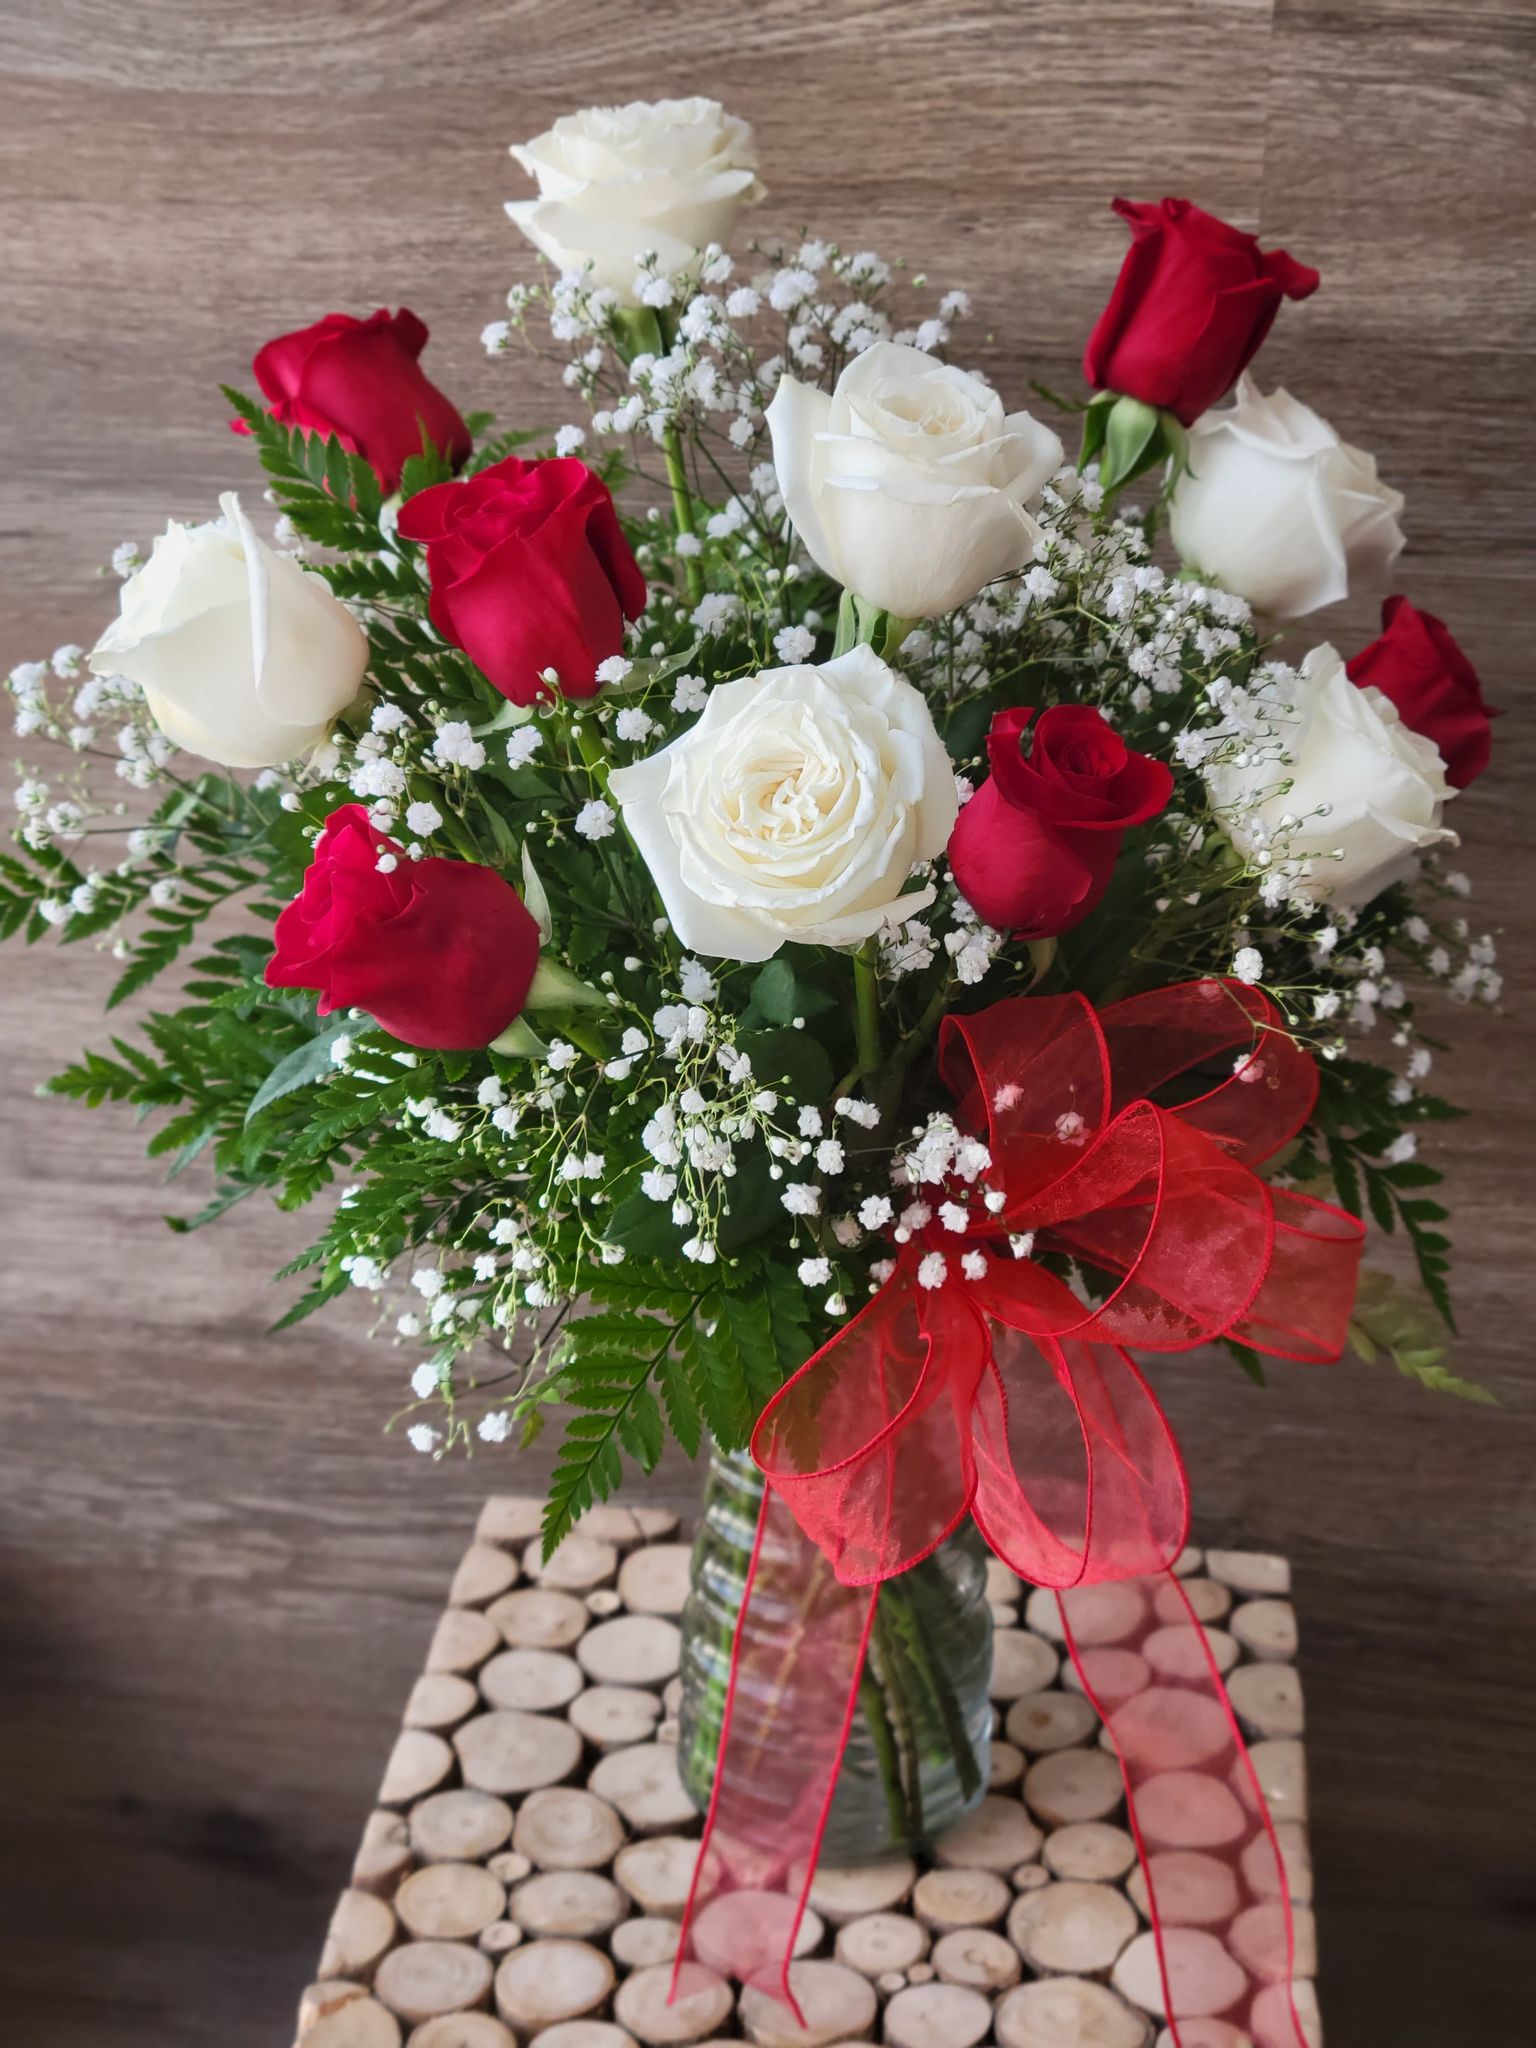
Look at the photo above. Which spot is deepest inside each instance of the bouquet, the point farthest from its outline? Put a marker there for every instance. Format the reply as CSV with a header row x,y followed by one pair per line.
x,y
784,904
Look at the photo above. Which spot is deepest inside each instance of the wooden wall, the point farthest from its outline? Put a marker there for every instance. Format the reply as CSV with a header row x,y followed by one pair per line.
x,y
215,1576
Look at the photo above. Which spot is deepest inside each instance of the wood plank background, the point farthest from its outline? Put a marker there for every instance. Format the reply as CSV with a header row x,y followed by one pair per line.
x,y
215,1576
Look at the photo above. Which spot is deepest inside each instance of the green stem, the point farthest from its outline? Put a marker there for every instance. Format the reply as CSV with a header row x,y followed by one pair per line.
x,y
872,1705
866,995
682,509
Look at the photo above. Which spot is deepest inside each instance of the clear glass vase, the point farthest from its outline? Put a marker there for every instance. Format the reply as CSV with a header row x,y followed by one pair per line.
x,y
919,1750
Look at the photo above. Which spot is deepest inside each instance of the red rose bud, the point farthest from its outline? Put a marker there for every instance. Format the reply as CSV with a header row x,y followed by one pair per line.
x,y
530,571
441,952
1193,301
1033,850
360,380
1435,688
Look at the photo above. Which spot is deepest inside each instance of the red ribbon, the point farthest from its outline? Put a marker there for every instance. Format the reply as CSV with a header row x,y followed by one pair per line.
x,y
976,1381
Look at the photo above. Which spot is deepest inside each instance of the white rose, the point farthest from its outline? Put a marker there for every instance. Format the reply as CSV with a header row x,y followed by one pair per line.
x,y
616,183
1367,791
794,809
243,657
908,483
1278,509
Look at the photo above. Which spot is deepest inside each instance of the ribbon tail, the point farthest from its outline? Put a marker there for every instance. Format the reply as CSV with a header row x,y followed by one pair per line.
x,y
1218,1893
797,1663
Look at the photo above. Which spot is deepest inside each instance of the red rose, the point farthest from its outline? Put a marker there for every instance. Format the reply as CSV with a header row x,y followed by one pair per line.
x,y
529,570
1034,848
1193,301
441,952
1419,666
360,380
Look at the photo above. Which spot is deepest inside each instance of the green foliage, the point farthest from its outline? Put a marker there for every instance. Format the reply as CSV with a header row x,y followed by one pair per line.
x,y
1386,1323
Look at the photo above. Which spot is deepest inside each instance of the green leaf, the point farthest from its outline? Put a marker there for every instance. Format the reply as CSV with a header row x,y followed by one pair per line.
x,y
1132,441
305,1065
795,1060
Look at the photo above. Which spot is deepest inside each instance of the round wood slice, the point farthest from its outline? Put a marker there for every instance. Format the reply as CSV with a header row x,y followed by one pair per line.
x,y
839,2005
1175,1651
1267,1699
1188,1810
460,1827
485,1572
417,1765
1169,1728
1100,1614
645,2004
996,1836
1193,1889
319,2001
603,1603
937,2016
946,1899
1004,1586
496,1939
1210,1601
586,2034
1003,1616
1251,1572
1204,1979
1007,1767
576,1565
566,1829
575,1904
841,1895
1113,1674
655,1580
421,1979
634,1649
534,1681
362,1928
463,2030
1259,1872
383,1856
1071,1929
611,1522
1068,2012
1267,1629
1042,1721
1021,1663
1270,2017
1281,1769
1209,2034
510,1867
880,1942
1030,1876
510,1518
612,1716
977,1958
641,1943
1258,1940
440,1700
1072,1785
547,1981
361,2023
462,1641
1090,1850
657,1874
1191,1559
642,1782
538,1618
508,1752
449,1902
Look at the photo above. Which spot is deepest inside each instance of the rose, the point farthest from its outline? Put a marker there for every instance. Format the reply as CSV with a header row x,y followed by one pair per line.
x,y
1034,849
908,482
243,657
1278,508
1355,796
360,380
1418,665
530,571
619,183
1191,306
794,809
441,952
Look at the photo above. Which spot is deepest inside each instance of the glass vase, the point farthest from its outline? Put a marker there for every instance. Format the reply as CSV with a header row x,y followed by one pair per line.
x,y
919,1749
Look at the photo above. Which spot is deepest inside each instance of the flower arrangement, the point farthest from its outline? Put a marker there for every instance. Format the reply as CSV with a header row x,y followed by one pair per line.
x,y
625,868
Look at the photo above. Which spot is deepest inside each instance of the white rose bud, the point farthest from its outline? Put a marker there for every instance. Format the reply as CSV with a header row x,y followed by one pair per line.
x,y
619,183
244,657
908,483
1278,509
794,809
1366,790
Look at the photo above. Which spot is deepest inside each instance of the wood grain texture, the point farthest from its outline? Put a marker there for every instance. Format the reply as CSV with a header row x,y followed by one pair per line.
x,y
218,1578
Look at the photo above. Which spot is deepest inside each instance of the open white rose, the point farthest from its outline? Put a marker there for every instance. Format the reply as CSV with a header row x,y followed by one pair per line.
x,y
1278,509
243,656
1357,797
616,183
794,809
909,483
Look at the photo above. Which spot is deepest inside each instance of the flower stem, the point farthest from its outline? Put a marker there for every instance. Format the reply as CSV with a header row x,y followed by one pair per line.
x,y
682,508
866,994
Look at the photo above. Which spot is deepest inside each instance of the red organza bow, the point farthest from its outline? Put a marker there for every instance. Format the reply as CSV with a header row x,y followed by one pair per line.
x,y
976,1381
